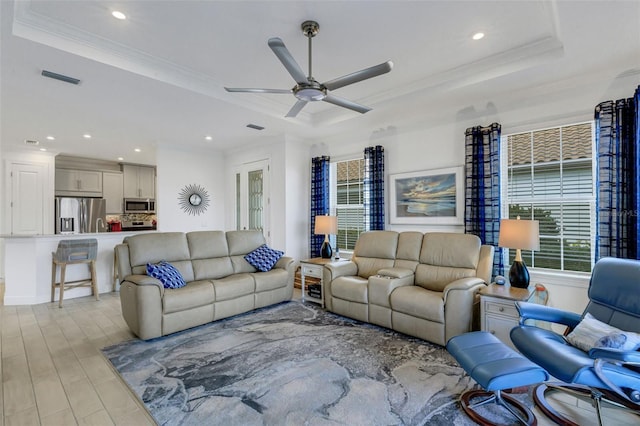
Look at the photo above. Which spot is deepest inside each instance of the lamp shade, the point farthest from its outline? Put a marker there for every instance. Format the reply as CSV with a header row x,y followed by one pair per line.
x,y
326,225
519,234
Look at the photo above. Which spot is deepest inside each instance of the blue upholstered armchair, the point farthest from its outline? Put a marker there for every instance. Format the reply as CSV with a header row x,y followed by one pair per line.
x,y
608,365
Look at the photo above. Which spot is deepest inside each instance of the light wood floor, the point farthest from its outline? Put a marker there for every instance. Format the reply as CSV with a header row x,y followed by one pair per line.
x,y
53,372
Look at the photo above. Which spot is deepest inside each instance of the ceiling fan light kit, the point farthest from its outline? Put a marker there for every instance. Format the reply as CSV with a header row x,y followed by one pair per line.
x,y
308,89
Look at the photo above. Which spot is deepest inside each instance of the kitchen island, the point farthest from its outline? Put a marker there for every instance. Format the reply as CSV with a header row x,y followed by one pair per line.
x,y
27,267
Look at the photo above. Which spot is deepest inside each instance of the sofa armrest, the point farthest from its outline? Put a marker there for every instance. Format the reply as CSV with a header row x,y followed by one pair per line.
x,y
141,280
472,284
141,301
459,297
285,262
395,272
340,269
123,267
330,272
382,285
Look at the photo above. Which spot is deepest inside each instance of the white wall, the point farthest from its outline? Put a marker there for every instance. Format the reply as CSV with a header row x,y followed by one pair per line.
x,y
289,190
413,147
177,168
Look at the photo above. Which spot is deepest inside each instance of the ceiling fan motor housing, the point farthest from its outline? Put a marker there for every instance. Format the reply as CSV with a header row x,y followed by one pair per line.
x,y
312,91
310,28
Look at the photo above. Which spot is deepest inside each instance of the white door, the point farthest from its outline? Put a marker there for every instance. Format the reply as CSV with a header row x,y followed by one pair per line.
x,y
27,182
252,197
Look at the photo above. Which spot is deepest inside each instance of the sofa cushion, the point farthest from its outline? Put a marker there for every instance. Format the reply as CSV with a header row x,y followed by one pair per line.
x,y
436,278
450,249
263,258
275,278
168,275
446,257
353,289
211,269
418,302
193,295
243,242
408,252
233,286
207,244
155,247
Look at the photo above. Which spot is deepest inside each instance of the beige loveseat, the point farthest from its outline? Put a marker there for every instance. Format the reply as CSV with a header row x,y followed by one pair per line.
x,y
419,284
220,282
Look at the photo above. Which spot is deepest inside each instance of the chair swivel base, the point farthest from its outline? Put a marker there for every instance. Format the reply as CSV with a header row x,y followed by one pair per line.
x,y
515,407
495,367
584,392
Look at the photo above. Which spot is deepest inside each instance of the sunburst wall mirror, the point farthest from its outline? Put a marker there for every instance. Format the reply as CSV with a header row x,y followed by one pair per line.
x,y
194,199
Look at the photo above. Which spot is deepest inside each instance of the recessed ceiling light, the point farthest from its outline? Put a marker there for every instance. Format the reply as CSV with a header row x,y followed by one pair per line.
x,y
208,138
478,36
86,136
120,158
118,15
51,138
43,149
137,150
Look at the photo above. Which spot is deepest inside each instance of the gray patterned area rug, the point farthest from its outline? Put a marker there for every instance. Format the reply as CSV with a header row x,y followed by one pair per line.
x,y
293,364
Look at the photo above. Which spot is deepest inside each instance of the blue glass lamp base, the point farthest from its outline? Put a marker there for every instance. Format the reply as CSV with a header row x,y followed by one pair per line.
x,y
519,275
326,251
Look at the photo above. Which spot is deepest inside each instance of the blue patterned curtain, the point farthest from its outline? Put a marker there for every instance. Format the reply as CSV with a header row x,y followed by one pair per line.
x,y
618,178
319,199
482,187
374,187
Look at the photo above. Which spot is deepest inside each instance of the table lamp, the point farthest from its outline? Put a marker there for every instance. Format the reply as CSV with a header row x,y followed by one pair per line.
x,y
520,235
326,225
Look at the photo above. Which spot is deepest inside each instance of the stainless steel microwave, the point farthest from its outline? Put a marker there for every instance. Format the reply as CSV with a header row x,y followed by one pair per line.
x,y
139,205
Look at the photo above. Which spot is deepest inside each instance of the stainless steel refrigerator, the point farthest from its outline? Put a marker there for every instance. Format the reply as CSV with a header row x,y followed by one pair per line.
x,y
80,215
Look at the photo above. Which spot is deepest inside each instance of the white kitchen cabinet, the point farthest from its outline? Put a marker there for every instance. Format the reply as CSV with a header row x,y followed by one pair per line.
x,y
113,192
71,182
139,181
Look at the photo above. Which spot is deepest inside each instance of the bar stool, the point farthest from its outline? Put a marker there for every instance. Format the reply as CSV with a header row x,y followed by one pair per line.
x,y
71,252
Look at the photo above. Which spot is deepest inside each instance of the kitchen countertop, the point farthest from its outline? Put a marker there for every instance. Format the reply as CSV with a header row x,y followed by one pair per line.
x,y
88,235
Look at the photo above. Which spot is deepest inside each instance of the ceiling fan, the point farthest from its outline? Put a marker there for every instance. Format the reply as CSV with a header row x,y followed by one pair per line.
x,y
307,88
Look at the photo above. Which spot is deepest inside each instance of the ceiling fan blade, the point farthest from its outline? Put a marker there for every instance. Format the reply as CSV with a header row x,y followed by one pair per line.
x,y
357,76
346,103
252,90
295,109
281,51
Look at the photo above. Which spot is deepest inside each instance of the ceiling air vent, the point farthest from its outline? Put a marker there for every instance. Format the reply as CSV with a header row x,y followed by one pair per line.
x,y
255,126
60,77
31,142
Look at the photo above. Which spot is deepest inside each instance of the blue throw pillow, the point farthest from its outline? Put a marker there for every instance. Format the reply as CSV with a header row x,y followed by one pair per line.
x,y
168,275
263,258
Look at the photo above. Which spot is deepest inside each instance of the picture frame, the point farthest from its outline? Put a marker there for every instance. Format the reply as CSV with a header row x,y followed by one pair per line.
x,y
429,197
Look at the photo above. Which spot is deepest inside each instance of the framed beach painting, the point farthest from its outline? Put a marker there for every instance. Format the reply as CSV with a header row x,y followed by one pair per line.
x,y
431,197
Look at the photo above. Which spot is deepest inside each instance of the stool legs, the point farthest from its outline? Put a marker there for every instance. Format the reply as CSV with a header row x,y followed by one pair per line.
x,y
94,280
63,269
54,268
520,411
90,282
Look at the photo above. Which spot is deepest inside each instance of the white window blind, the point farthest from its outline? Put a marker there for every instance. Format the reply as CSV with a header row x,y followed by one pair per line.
x,y
550,177
347,180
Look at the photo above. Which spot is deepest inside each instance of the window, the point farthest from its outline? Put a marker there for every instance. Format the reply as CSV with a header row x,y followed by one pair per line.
x,y
347,183
550,178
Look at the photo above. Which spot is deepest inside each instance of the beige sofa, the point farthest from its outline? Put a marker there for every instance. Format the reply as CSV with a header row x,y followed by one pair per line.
x,y
220,282
423,285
